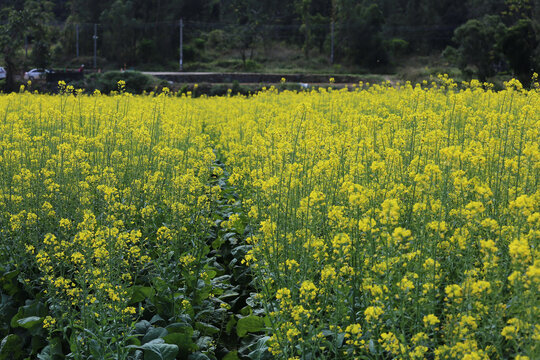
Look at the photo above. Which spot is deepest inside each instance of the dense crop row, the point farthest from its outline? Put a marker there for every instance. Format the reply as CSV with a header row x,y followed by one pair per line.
x,y
398,222
106,205
385,222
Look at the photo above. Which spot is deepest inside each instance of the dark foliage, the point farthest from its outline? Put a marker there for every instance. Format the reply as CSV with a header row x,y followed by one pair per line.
x,y
488,36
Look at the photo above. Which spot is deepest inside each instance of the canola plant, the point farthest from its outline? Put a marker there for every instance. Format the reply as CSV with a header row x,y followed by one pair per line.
x,y
384,222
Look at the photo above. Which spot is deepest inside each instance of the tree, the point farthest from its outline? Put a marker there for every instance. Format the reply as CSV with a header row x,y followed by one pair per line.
x,y
360,31
302,9
15,24
479,8
519,46
41,54
248,25
119,32
478,44
518,9
12,25
40,15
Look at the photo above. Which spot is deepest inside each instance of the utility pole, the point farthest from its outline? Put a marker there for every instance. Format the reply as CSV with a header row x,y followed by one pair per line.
x,y
95,37
77,37
332,42
181,61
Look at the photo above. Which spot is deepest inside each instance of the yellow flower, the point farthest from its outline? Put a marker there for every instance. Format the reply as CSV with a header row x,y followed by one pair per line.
x,y
48,322
373,313
308,290
430,320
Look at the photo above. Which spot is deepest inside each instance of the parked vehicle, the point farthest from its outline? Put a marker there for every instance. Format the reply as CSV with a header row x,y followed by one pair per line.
x,y
36,74
2,73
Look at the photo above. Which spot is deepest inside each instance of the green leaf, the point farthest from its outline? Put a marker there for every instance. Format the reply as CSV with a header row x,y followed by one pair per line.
x,y
182,340
37,343
11,347
261,349
160,285
53,351
250,323
9,283
371,347
154,333
206,329
216,244
9,275
157,350
34,308
233,355
133,340
96,349
211,273
246,310
142,327
228,293
180,327
204,342
140,293
19,315
339,340
29,322
230,324
157,320
198,356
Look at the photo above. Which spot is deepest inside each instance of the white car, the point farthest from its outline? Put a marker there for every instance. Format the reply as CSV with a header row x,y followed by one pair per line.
x,y
2,73
35,74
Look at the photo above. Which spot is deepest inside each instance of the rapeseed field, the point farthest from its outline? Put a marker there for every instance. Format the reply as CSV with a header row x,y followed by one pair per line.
x,y
386,222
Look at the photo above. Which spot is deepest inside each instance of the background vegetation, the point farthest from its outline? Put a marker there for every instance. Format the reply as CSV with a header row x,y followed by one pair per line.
x,y
481,38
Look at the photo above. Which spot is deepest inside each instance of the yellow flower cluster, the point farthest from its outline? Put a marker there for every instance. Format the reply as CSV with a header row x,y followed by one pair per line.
x,y
85,182
410,211
384,222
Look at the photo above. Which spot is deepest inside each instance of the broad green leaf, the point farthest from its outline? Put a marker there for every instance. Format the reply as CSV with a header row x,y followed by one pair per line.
x,y
206,329
9,283
159,351
198,356
250,323
10,347
180,327
182,340
246,310
371,347
140,293
142,327
261,349
230,324
9,275
233,355
339,340
29,322
154,333
33,308
157,320
216,244
19,315
37,343
53,351
204,342
211,274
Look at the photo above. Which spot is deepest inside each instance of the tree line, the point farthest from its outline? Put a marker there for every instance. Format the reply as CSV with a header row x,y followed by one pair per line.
x,y
482,37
